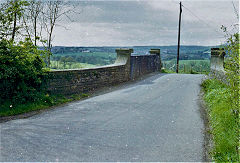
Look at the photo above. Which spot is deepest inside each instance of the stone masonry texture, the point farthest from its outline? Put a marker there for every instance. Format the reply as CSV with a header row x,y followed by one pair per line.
x,y
125,68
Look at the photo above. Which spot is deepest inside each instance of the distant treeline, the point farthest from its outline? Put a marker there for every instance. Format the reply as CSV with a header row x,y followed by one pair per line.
x,y
188,66
78,57
96,60
199,55
167,52
91,58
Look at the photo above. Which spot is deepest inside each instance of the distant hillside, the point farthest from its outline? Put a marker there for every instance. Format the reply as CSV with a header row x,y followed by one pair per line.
x,y
167,52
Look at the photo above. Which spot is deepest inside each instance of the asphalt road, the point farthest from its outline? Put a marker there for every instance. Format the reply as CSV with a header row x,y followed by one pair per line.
x,y
157,119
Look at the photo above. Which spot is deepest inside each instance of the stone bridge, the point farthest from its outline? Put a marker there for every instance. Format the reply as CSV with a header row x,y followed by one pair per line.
x,y
125,68
156,119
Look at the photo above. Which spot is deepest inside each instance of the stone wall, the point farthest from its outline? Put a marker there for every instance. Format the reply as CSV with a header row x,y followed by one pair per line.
x,y
144,64
125,68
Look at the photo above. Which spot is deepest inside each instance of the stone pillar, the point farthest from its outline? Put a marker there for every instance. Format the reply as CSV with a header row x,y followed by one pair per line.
x,y
155,51
158,61
123,58
217,59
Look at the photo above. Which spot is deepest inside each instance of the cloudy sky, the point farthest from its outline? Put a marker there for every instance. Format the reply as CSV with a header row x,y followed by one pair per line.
x,y
149,22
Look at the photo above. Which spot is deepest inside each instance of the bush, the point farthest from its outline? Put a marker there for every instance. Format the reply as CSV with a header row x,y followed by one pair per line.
x,y
233,70
21,69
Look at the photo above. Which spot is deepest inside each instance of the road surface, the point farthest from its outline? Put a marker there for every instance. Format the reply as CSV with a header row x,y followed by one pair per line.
x,y
156,119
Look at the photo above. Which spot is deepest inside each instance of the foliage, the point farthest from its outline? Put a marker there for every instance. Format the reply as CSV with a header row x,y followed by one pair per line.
x,y
75,65
81,60
224,124
21,68
232,67
10,12
188,66
21,62
163,70
223,102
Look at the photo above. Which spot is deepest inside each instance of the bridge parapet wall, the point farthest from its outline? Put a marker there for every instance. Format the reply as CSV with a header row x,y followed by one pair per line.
x,y
144,64
77,81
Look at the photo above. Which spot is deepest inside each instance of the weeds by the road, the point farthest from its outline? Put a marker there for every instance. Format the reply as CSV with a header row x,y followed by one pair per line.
x,y
43,102
169,71
187,66
224,122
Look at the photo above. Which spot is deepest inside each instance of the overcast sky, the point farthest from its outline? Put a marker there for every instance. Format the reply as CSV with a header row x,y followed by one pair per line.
x,y
129,23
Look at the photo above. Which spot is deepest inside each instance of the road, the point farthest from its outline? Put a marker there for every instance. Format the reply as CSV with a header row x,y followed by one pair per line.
x,y
156,119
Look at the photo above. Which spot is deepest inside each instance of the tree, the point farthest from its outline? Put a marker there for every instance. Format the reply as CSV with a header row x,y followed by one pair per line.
x,y
21,63
52,12
63,60
232,67
10,15
70,61
32,19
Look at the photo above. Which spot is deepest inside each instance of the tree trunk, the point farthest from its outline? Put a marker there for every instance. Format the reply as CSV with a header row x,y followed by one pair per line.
x,y
14,25
35,31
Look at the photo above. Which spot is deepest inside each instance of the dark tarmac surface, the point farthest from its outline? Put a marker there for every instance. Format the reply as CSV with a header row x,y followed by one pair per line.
x,y
157,119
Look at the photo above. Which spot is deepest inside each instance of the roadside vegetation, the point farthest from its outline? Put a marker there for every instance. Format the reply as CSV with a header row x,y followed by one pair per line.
x,y
22,64
224,124
187,66
222,99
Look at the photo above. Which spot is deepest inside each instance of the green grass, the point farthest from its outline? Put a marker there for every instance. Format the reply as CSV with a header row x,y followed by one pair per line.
x,y
224,123
44,102
169,71
82,60
96,54
75,65
188,66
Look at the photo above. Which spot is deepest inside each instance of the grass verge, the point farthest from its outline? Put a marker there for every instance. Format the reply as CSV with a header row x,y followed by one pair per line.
x,y
224,123
44,102
170,71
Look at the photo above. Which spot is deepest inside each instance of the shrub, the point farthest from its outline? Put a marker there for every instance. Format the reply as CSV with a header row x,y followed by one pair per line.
x,y
233,71
21,69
